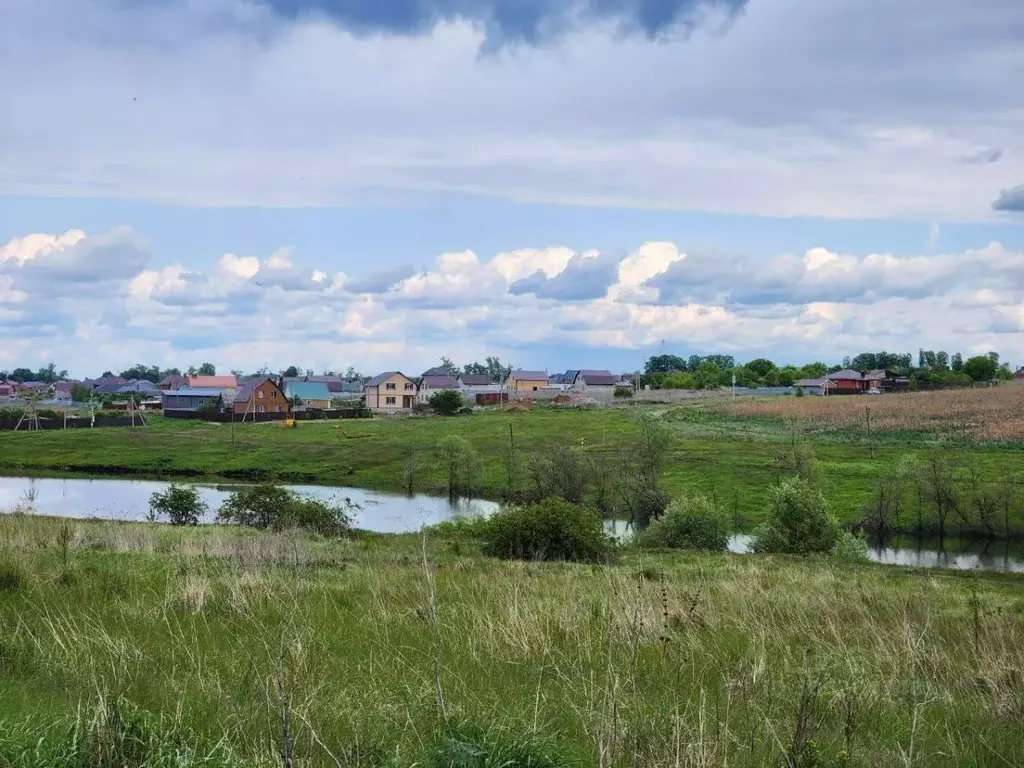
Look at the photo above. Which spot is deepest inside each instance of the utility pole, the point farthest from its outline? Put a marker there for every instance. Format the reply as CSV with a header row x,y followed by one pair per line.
x,y
867,417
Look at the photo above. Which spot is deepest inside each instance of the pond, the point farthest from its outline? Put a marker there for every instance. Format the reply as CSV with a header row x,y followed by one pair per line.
x,y
121,499
118,499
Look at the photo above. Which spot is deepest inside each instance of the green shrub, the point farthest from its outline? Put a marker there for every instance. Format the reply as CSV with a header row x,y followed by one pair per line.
x,y
688,523
623,392
798,520
850,548
550,530
181,504
446,402
12,575
270,506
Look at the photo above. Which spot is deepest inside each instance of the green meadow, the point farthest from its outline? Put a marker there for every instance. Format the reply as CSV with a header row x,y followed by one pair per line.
x,y
146,645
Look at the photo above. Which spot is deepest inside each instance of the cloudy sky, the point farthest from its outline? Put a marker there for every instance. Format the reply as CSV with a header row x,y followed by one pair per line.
x,y
564,183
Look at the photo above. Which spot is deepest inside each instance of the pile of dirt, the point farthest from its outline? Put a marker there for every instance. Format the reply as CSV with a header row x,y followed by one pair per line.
x,y
561,399
520,406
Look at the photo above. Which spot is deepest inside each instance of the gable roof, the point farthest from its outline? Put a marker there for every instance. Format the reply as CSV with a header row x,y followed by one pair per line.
x,y
520,375
812,383
597,378
380,378
438,370
439,382
245,391
194,392
845,375
307,390
138,386
224,382
174,381
476,379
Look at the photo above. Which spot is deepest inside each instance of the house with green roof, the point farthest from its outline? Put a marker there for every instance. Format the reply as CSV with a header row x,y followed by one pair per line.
x,y
311,394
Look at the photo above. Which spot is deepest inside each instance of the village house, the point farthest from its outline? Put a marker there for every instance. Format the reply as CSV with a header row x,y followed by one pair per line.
x,y
308,394
213,382
594,381
7,389
173,382
526,381
390,392
192,399
260,396
814,386
432,384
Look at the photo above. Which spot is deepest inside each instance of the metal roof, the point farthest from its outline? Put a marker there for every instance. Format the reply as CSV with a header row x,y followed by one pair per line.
x,y
439,382
194,392
380,378
529,375
307,390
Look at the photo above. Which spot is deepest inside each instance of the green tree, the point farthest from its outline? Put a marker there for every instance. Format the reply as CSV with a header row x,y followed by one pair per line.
x,y
981,368
688,523
351,374
798,520
957,362
206,369
459,464
497,370
181,504
446,402
81,393
475,369
760,367
450,368
664,364
553,529
707,376
291,372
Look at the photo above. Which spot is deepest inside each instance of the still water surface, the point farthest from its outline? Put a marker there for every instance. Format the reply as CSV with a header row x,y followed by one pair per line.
x,y
119,499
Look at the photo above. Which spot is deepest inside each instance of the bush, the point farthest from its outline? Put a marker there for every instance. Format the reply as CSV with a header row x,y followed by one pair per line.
x,y
688,523
181,504
273,507
551,530
644,504
459,464
850,548
623,392
447,402
12,576
798,521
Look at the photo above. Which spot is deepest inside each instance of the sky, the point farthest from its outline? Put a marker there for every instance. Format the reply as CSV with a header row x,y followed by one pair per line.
x,y
561,183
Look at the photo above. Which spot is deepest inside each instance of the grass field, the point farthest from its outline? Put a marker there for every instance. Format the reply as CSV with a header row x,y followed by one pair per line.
x,y
143,645
728,447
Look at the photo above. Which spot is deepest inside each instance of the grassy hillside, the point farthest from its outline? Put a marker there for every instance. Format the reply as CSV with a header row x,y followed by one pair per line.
x,y
727,449
147,646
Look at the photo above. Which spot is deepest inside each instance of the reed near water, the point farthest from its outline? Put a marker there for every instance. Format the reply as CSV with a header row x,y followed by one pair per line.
x,y
147,645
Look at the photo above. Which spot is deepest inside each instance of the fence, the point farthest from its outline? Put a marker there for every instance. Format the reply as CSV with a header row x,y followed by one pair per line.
x,y
72,423
225,418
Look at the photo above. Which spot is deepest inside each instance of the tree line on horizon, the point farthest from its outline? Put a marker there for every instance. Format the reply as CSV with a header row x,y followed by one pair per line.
x,y
934,368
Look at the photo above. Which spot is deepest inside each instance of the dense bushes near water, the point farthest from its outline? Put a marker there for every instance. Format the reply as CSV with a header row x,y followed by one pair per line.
x,y
798,522
688,523
551,530
276,508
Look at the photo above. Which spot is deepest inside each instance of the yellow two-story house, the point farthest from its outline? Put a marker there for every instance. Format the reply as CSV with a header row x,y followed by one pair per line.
x,y
390,392
527,381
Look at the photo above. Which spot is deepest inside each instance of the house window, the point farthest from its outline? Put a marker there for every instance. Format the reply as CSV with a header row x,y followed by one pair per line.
x,y
534,389
277,409
390,385
389,401
260,409
259,394
408,386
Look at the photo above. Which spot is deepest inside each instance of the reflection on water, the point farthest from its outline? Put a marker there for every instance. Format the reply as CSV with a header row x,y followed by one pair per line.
x,y
955,553
117,499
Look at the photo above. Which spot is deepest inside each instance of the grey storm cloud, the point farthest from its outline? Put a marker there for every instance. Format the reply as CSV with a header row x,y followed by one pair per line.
x,y
86,268
380,281
985,157
532,22
583,278
1011,200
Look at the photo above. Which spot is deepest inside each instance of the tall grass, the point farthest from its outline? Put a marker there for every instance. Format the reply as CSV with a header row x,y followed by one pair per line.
x,y
179,647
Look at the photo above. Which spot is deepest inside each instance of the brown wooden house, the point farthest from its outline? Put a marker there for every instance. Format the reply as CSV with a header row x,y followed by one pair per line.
x,y
261,396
